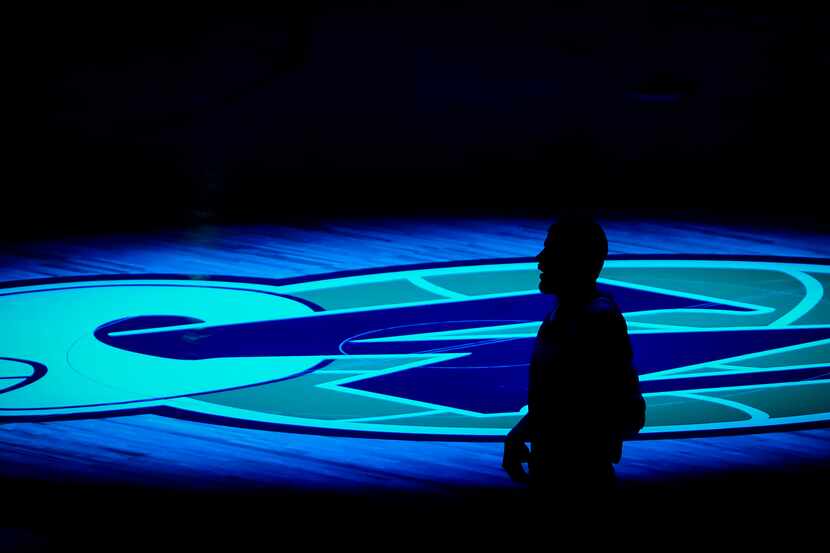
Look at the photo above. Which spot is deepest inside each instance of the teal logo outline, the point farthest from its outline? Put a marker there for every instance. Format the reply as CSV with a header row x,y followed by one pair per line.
x,y
51,323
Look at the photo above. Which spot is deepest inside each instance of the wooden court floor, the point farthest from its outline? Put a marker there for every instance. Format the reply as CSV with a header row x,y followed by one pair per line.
x,y
52,468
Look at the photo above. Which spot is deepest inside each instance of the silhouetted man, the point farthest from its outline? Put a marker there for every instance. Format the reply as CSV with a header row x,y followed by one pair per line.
x,y
584,397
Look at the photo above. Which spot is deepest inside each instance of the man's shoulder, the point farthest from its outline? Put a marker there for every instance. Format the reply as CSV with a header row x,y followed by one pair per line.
x,y
603,306
603,312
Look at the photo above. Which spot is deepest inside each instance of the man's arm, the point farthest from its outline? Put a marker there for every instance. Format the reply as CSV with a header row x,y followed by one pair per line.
x,y
627,404
516,451
521,432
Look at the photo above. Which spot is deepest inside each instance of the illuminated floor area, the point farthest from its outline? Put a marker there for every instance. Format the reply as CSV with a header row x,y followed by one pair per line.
x,y
716,427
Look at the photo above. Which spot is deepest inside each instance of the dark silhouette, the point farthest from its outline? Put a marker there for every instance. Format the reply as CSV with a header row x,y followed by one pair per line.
x,y
584,396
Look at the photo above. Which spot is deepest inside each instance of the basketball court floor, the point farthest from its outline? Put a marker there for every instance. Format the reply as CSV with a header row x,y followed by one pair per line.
x,y
350,370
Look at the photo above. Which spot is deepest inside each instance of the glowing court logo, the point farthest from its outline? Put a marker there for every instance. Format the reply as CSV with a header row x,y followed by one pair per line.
x,y
439,351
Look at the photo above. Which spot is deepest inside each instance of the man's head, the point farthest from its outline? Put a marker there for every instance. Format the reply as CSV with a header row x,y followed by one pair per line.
x,y
573,256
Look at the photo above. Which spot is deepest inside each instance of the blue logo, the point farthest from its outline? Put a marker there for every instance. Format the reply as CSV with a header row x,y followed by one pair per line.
x,y
438,351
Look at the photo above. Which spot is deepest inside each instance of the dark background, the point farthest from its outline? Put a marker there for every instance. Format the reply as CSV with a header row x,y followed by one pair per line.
x,y
135,116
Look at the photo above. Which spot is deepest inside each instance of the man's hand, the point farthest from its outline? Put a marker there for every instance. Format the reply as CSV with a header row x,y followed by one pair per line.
x,y
516,452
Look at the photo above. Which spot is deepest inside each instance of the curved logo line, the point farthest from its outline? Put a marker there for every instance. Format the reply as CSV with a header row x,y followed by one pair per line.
x,y
723,345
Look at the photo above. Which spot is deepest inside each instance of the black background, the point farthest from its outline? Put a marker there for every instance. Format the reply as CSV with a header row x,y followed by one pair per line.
x,y
137,116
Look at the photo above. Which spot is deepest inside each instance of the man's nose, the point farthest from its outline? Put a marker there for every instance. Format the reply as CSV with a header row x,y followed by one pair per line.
x,y
540,260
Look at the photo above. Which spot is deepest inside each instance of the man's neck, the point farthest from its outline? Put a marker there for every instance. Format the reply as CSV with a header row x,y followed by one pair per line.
x,y
578,297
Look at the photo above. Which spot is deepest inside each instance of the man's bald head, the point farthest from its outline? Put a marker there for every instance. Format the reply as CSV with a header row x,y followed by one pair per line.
x,y
573,256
